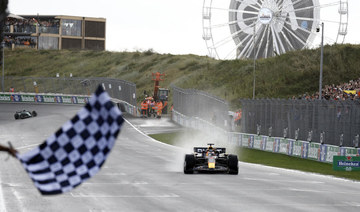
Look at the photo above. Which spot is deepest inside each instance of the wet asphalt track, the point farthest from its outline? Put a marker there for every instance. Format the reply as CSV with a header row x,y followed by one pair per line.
x,y
144,175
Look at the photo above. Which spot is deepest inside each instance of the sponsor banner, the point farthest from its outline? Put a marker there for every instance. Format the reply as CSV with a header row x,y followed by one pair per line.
x,y
351,151
245,140
240,141
39,98
297,148
346,163
58,99
15,98
276,145
251,141
233,138
28,98
82,100
5,98
290,146
74,100
314,151
331,152
342,151
257,142
322,153
284,146
270,144
263,142
304,149
66,99
49,99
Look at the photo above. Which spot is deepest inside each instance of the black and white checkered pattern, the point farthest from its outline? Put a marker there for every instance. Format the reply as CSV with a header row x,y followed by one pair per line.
x,y
78,149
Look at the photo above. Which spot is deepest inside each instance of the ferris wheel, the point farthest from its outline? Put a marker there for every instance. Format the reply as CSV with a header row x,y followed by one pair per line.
x,y
236,29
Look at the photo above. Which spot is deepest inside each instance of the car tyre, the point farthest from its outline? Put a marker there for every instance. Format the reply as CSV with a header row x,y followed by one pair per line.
x,y
34,114
189,164
16,116
233,164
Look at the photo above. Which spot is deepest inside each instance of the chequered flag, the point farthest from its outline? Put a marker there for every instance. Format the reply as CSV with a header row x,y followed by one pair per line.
x,y
78,149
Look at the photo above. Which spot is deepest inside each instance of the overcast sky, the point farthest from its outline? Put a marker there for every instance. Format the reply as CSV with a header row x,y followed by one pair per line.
x,y
166,26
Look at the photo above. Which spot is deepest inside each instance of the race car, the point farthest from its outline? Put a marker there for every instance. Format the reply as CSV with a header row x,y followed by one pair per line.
x,y
23,114
210,159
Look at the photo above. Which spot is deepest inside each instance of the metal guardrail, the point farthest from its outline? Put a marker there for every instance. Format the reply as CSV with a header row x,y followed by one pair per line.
x,y
195,103
323,121
296,148
119,89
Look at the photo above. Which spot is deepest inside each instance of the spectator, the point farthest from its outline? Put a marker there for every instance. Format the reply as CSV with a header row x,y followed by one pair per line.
x,y
350,90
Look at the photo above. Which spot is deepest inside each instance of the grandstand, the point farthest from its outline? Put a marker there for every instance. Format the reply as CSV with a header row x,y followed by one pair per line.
x,y
55,32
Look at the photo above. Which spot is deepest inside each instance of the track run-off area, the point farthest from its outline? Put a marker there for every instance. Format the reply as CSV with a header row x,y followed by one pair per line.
x,y
142,174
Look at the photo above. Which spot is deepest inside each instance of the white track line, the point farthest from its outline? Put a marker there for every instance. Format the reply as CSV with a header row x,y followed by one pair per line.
x,y
152,139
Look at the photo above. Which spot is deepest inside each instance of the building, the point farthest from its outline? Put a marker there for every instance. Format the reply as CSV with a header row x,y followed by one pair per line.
x,y
55,32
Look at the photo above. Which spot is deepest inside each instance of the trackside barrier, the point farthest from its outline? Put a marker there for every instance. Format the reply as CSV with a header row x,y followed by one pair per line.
x,y
60,99
198,123
296,148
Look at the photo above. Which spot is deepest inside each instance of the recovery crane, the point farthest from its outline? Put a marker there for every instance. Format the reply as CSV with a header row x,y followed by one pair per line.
x,y
150,104
160,94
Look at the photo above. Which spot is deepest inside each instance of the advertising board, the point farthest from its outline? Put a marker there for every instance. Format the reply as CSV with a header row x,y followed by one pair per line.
x,y
263,142
270,144
27,98
15,98
49,99
314,151
5,98
304,149
331,152
346,163
257,142
322,152
284,145
297,148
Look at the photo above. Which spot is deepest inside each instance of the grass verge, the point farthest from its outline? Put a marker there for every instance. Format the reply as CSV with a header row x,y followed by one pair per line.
x,y
275,160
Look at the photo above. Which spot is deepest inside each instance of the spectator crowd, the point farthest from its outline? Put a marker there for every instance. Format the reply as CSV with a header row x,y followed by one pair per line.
x,y
345,91
29,25
25,41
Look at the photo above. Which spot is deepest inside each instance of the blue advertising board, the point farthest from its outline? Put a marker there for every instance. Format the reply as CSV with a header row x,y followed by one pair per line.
x,y
15,98
277,145
251,141
290,147
323,152
304,150
39,98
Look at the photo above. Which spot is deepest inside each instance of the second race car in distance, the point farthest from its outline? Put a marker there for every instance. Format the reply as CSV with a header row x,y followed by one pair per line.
x,y
211,159
23,114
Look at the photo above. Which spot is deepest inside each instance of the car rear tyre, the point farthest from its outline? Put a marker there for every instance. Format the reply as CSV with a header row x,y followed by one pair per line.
x,y
233,164
34,113
16,116
189,164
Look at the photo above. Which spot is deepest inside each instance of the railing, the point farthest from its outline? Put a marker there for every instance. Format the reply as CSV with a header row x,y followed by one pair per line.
x,y
296,148
118,89
195,103
324,121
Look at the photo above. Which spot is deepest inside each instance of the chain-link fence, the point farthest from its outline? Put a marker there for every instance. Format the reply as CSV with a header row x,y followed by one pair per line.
x,y
329,122
195,103
119,89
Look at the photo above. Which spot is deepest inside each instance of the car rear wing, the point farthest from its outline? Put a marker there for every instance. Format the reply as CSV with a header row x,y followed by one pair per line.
x,y
204,149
